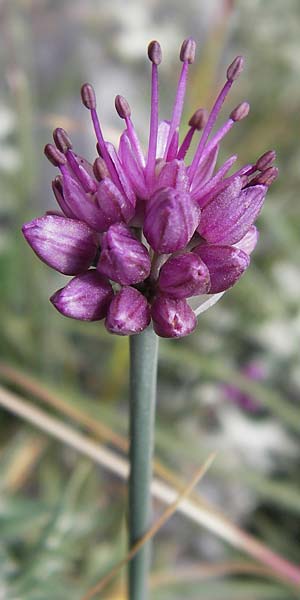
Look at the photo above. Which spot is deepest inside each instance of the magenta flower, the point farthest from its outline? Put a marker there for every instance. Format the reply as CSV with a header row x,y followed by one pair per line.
x,y
143,232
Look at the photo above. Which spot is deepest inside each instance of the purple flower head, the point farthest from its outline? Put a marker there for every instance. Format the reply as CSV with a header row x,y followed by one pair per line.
x,y
160,228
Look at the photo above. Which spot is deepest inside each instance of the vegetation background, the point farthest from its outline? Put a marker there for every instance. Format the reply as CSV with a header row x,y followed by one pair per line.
x,y
233,386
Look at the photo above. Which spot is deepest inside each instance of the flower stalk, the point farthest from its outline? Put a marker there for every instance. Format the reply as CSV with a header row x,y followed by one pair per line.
x,y
143,377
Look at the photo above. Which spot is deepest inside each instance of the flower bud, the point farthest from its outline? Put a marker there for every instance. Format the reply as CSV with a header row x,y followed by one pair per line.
x,y
226,264
174,175
128,313
86,297
67,245
123,258
172,318
184,276
170,221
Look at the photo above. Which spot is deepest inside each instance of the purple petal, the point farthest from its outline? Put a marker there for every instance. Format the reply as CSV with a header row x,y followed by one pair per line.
x,y
172,318
58,192
86,297
114,206
228,217
83,205
205,193
125,183
129,312
162,138
64,244
206,169
123,258
174,175
184,276
170,221
226,264
133,170
249,241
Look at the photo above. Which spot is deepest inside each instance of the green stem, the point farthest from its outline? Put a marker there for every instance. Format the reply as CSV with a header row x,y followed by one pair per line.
x,y
143,377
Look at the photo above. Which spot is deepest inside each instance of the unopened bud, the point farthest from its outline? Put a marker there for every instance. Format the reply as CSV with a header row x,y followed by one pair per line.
x,y
62,140
122,107
154,52
171,219
188,50
123,258
240,112
88,96
199,119
100,169
128,313
54,155
266,160
235,69
172,318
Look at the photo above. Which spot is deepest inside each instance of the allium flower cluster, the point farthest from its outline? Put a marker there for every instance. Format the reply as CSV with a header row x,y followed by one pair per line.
x,y
143,232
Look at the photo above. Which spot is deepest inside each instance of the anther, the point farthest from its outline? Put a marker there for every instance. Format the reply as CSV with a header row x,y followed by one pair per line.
x,y
88,96
54,155
235,69
62,140
266,160
57,187
122,107
100,169
154,52
267,177
188,50
240,112
199,119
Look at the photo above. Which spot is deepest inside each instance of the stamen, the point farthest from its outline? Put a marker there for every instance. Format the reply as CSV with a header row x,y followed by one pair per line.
x,y
57,188
61,140
187,56
266,177
212,187
154,54
64,144
87,182
233,72
57,185
173,148
266,160
124,111
54,155
240,112
188,51
89,100
100,169
197,122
